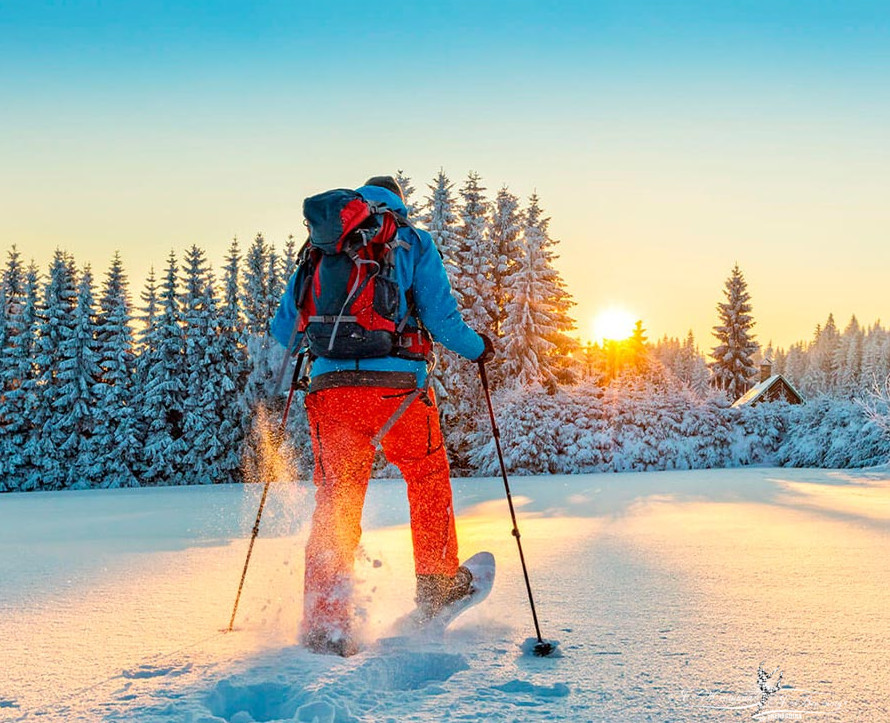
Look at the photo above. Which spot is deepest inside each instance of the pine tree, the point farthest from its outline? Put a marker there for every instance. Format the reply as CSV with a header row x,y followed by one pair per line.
x,y
404,183
161,398
821,357
79,374
260,295
275,286
503,231
148,315
875,361
474,258
537,319
795,363
440,219
848,360
205,382
528,319
733,365
695,369
11,301
466,251
638,348
117,429
234,369
288,261
49,468
13,281
780,361
18,376
255,297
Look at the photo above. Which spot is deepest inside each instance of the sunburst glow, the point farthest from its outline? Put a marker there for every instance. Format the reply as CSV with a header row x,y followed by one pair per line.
x,y
612,324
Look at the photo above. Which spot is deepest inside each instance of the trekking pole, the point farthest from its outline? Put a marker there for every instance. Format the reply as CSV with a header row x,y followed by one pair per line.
x,y
542,647
296,383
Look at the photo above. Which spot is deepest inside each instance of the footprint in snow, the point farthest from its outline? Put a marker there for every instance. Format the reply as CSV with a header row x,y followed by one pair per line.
x,y
150,671
557,690
410,670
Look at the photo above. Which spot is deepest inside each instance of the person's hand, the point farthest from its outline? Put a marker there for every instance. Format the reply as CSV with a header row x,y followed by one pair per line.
x,y
488,352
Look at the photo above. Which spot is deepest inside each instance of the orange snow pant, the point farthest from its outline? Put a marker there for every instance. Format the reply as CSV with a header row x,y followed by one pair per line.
x,y
343,421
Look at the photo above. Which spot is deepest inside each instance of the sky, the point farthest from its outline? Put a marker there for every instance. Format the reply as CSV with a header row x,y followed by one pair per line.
x,y
667,141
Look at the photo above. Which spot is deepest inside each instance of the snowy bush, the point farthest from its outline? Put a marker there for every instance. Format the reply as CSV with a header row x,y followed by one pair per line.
x,y
588,429
828,432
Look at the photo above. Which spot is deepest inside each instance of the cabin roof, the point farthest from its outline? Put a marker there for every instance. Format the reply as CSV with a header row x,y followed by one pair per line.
x,y
758,390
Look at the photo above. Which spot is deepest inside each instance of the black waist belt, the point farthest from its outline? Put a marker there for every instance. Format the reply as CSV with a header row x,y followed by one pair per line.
x,y
363,378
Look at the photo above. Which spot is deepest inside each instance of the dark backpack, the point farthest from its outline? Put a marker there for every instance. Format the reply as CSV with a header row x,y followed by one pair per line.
x,y
347,295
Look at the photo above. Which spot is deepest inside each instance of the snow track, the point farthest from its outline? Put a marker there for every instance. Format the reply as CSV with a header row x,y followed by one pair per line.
x,y
666,590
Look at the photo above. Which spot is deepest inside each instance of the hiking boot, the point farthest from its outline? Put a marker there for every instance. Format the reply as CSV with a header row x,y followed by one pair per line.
x,y
325,642
434,592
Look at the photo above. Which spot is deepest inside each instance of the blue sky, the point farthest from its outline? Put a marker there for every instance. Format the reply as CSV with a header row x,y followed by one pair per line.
x,y
667,140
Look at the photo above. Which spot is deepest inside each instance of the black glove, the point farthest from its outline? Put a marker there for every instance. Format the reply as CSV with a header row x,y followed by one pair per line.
x,y
488,352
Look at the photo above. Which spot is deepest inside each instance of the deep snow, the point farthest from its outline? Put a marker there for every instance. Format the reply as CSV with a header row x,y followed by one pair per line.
x,y
666,590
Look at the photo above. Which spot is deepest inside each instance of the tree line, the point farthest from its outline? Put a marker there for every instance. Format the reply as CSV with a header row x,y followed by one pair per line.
x,y
100,392
178,388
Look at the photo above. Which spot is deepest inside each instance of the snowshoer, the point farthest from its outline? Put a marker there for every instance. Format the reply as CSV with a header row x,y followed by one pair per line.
x,y
356,402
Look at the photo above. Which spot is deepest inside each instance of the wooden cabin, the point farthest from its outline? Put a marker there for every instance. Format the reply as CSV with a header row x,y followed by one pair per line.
x,y
771,388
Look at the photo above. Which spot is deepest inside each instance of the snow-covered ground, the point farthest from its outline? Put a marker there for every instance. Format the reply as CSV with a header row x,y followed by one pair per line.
x,y
666,591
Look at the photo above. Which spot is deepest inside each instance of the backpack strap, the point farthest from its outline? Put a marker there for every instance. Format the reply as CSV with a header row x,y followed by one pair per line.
x,y
357,287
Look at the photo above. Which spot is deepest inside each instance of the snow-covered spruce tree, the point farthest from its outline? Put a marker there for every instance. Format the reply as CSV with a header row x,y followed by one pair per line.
x,y
260,294
148,313
819,375
288,260
56,328
12,289
685,362
13,281
234,370
638,349
407,191
161,398
536,343
440,219
11,300
474,258
528,320
76,408
733,365
875,355
795,363
19,379
255,295
146,355
117,426
693,367
206,439
503,232
276,282
5,450
558,362
469,261
848,361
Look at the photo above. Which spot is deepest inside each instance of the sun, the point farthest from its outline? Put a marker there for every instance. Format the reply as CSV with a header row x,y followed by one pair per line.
x,y
612,324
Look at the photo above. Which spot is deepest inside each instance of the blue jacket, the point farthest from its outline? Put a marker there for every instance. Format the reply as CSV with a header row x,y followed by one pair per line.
x,y
419,267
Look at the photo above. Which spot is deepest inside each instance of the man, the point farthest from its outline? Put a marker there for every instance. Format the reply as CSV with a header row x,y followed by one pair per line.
x,y
353,404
